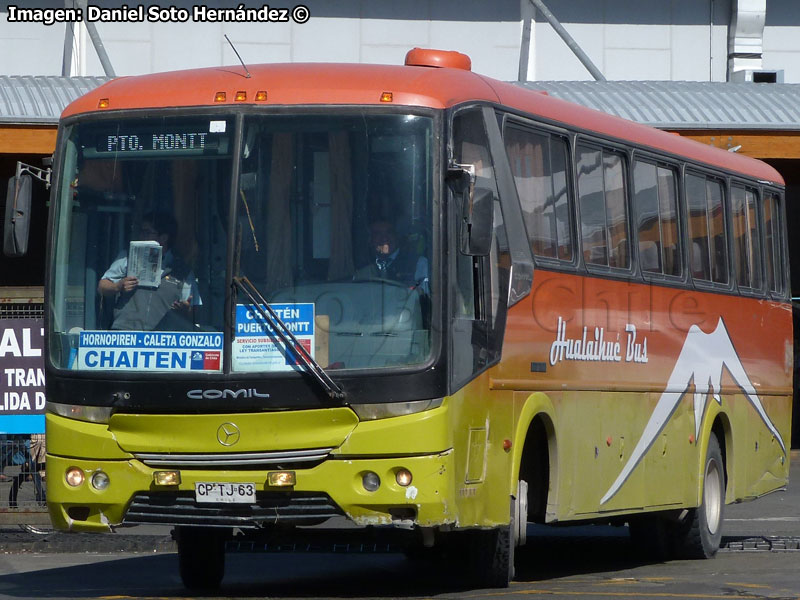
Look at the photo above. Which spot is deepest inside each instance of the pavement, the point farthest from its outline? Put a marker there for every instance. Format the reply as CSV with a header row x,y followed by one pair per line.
x,y
771,523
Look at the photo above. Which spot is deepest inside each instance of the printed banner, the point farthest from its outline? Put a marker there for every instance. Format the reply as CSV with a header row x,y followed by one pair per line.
x,y
22,396
148,351
256,347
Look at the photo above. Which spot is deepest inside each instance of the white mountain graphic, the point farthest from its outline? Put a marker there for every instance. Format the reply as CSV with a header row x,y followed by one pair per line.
x,y
702,360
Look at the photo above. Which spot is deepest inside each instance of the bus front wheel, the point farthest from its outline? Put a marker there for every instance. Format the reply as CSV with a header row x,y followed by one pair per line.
x,y
201,557
699,534
491,551
491,554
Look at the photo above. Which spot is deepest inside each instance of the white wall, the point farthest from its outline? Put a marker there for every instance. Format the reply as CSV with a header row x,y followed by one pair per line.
x,y
635,40
370,31
782,39
626,39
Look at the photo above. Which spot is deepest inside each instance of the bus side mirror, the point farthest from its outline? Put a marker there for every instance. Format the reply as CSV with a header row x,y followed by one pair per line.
x,y
476,223
17,223
476,210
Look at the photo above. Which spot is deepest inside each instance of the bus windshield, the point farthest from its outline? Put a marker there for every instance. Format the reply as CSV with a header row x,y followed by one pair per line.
x,y
330,219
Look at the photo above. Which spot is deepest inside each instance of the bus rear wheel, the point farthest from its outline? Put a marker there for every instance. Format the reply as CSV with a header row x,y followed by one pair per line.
x,y
201,557
699,533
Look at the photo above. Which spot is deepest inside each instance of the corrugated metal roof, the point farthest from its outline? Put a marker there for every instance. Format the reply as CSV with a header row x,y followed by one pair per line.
x,y
686,104
40,100
663,104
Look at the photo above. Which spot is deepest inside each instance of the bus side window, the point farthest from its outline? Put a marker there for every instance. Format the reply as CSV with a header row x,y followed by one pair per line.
x,y
772,243
699,258
717,232
471,148
668,210
746,238
592,203
708,253
604,214
656,212
539,164
481,290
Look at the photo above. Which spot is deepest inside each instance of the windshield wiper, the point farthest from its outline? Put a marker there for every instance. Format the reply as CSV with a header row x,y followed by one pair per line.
x,y
290,342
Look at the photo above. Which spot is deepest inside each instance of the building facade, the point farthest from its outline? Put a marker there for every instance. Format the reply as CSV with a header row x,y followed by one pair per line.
x,y
676,40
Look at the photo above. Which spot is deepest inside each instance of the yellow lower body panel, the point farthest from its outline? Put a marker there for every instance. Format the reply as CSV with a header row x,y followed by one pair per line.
x,y
428,499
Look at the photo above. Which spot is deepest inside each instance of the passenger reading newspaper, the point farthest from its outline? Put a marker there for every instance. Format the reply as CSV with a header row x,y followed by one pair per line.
x,y
154,288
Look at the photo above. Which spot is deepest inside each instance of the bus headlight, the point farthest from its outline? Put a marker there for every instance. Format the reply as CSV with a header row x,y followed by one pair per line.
x,y
370,481
167,477
384,410
74,476
91,414
403,477
281,478
100,480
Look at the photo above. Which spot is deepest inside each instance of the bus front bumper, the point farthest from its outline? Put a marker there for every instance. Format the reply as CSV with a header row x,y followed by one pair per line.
x,y
334,487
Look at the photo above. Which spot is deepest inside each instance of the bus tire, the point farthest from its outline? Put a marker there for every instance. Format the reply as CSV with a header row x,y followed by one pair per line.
x,y
491,554
699,533
201,557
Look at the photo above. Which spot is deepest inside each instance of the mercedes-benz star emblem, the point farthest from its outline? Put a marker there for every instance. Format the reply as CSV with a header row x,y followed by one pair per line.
x,y
228,434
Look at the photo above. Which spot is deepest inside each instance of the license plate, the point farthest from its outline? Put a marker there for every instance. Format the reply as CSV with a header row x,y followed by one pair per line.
x,y
229,493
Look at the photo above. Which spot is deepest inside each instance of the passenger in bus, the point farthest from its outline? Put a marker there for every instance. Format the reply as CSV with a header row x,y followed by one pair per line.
x,y
165,307
394,261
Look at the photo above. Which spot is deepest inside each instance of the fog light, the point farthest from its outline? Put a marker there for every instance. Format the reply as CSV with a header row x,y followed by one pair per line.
x,y
74,476
403,477
281,478
371,481
100,480
167,477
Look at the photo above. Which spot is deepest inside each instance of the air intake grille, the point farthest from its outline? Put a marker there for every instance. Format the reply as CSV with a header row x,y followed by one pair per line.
x,y
246,459
180,508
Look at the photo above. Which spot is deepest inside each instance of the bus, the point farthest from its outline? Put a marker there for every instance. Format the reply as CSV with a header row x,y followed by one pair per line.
x,y
589,319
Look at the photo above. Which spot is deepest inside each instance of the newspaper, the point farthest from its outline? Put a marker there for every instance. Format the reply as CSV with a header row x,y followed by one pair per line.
x,y
144,263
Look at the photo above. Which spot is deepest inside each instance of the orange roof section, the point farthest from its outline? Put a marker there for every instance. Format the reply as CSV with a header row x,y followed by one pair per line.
x,y
430,78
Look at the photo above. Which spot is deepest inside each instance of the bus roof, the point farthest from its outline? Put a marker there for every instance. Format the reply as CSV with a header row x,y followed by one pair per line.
x,y
293,84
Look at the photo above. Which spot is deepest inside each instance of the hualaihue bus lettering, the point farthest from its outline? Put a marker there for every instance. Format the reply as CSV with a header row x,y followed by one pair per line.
x,y
598,353
597,348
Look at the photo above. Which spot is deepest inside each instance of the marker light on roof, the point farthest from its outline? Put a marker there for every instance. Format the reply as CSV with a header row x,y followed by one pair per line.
x,y
220,97
240,96
386,97
261,96
429,57
104,103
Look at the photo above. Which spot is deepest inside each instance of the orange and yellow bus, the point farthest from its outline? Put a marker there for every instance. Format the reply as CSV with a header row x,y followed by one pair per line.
x,y
410,300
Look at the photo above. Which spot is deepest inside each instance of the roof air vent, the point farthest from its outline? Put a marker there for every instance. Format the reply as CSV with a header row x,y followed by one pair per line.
x,y
758,76
428,57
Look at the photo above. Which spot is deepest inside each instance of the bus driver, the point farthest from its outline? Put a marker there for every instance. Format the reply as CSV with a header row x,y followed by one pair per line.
x,y
393,261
